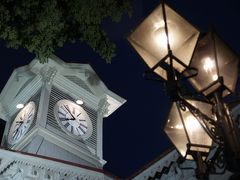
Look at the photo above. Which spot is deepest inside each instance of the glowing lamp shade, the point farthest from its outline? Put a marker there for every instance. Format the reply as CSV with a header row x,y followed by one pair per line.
x,y
183,128
214,59
150,40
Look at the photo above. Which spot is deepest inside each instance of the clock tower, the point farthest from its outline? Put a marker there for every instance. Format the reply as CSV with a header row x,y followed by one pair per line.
x,y
56,110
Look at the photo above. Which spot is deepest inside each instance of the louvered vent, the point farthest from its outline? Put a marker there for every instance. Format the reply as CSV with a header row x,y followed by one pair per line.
x,y
24,85
79,82
57,95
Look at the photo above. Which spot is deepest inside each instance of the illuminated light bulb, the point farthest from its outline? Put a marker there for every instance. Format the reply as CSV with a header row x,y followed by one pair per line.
x,y
215,77
208,64
160,36
192,124
19,106
80,102
179,126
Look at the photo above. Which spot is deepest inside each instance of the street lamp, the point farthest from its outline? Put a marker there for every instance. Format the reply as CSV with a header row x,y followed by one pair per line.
x,y
217,66
184,127
172,49
165,38
188,132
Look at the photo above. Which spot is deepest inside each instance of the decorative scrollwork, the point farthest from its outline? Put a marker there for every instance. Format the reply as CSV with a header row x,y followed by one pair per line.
x,y
207,123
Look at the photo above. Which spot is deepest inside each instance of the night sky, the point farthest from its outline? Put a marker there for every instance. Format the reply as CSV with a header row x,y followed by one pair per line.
x,y
133,135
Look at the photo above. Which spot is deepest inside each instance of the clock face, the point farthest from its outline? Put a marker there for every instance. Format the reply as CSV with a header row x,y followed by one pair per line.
x,y
73,119
21,123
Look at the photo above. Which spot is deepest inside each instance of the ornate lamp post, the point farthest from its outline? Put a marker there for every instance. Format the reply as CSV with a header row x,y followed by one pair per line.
x,y
217,76
172,49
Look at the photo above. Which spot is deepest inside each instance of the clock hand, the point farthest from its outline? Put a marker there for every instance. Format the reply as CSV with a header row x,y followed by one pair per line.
x,y
66,119
16,132
71,119
69,112
19,122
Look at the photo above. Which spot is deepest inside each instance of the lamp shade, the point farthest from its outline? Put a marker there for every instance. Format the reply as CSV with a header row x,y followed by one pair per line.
x,y
214,59
183,128
150,39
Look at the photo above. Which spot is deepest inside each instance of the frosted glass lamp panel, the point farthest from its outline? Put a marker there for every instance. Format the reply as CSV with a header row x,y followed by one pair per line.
x,y
193,125
213,59
151,60
205,62
227,64
175,130
196,133
150,40
182,121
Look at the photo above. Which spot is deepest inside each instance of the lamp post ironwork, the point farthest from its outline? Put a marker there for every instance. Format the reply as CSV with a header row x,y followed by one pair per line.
x,y
217,76
173,50
187,131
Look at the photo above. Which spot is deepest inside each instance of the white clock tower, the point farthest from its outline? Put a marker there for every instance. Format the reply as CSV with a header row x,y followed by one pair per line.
x,y
54,114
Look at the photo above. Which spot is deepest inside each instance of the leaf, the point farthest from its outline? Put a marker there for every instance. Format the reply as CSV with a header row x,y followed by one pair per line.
x,y
41,26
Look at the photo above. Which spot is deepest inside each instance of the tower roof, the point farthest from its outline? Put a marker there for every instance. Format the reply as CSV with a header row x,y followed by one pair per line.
x,y
28,79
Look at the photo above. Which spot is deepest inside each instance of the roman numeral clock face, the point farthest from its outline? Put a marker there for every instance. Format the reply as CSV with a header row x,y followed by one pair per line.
x,y
21,123
73,119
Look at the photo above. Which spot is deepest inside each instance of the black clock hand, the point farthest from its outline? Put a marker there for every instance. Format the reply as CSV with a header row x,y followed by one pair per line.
x,y
20,122
69,112
15,132
18,133
71,119
66,119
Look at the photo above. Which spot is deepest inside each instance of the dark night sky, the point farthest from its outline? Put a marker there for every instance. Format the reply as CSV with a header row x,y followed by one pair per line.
x,y
133,134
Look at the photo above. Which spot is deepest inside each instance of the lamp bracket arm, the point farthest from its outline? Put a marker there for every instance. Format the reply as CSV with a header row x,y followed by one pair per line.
x,y
159,63
178,61
196,111
189,72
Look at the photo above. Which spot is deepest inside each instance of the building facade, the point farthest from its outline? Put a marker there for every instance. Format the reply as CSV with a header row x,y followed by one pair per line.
x,y
54,115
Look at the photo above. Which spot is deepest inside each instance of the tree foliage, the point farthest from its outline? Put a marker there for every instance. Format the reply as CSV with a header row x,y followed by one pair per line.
x,y
40,26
